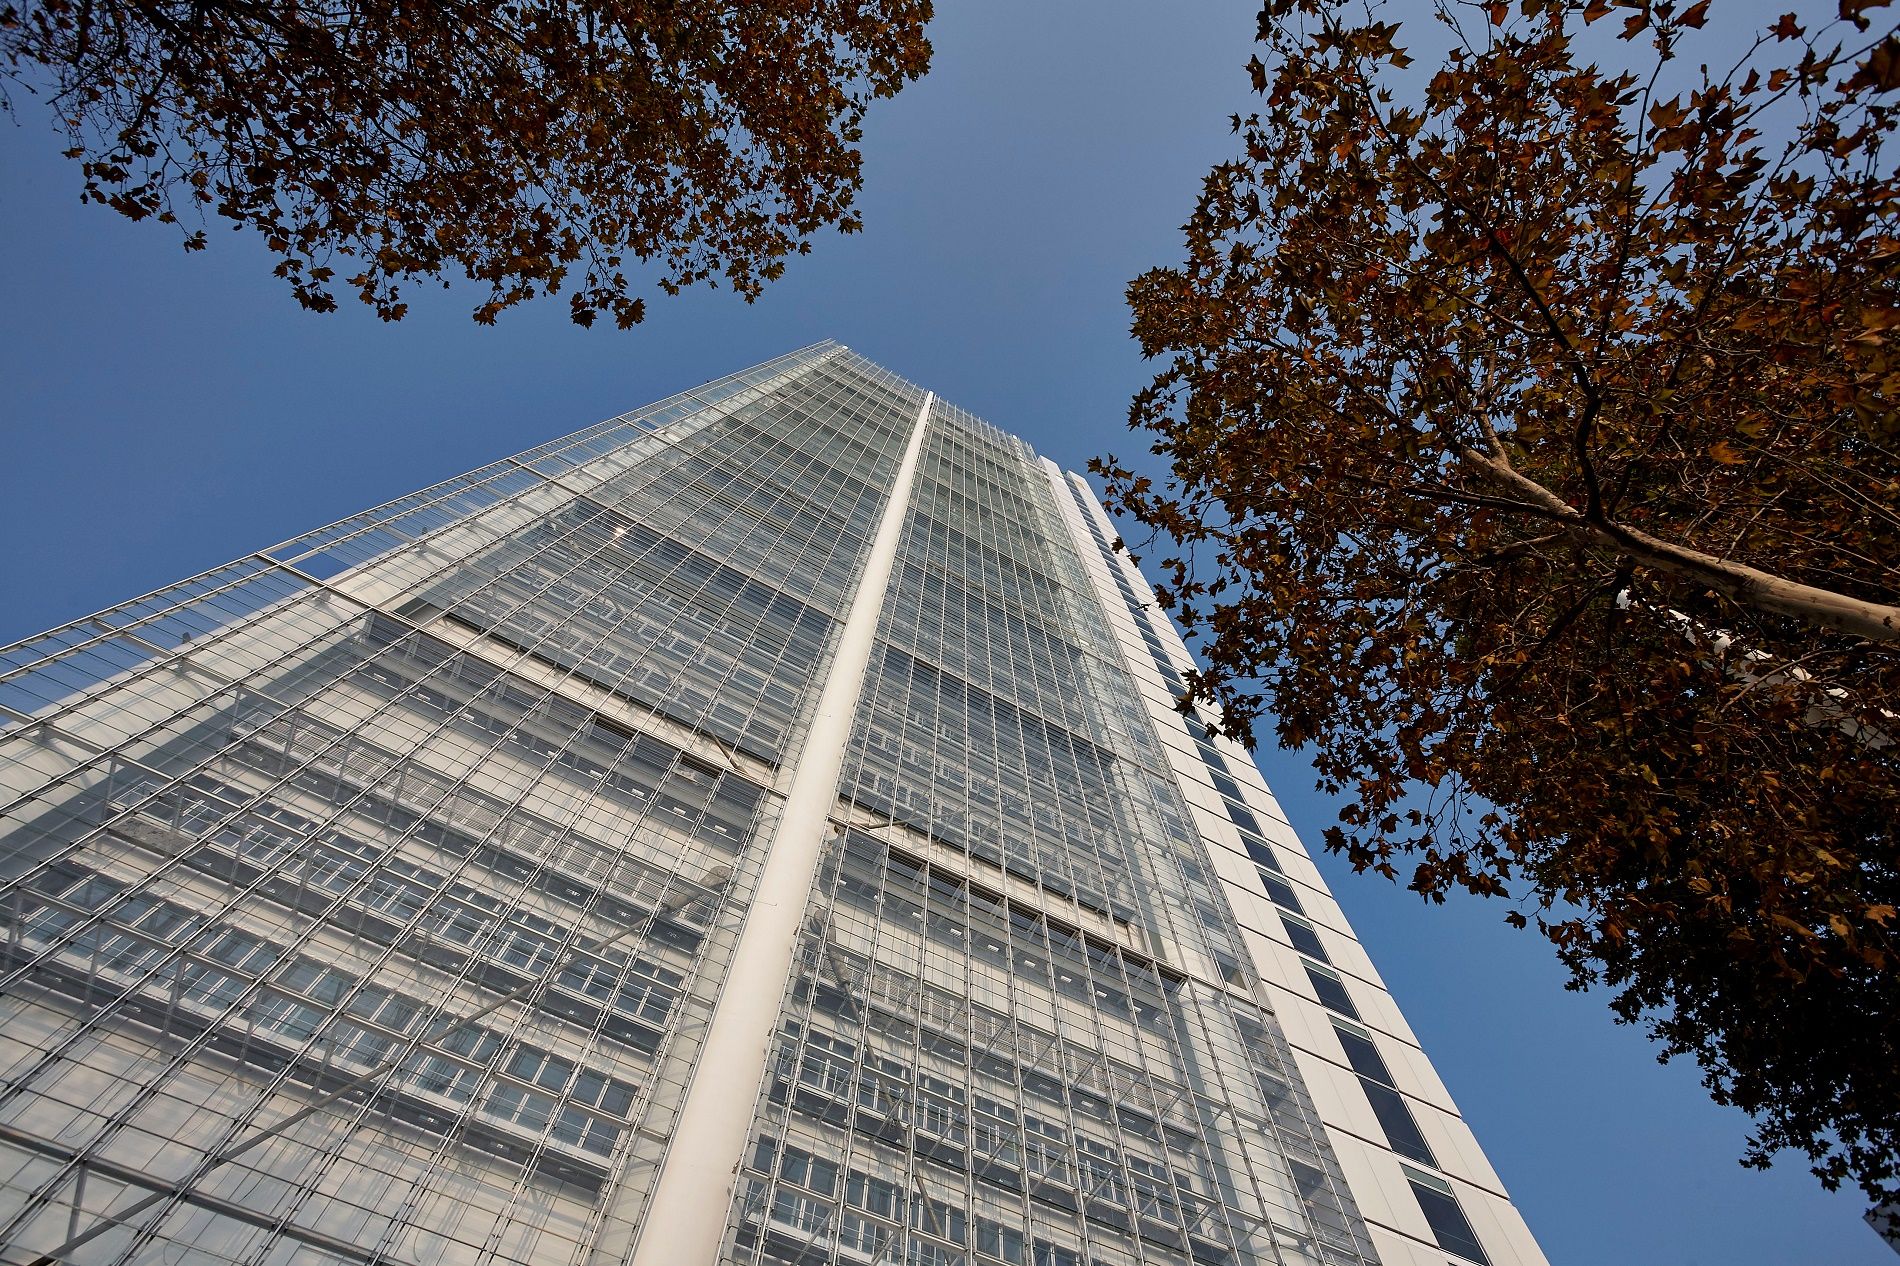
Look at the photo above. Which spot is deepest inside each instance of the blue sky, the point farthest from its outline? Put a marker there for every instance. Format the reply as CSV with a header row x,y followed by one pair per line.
x,y
160,414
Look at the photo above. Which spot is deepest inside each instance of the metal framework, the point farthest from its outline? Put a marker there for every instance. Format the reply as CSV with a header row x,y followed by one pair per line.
x,y
429,888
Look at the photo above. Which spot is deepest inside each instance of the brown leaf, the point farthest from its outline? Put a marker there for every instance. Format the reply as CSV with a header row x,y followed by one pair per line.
x,y
1855,10
1881,69
1528,446
528,146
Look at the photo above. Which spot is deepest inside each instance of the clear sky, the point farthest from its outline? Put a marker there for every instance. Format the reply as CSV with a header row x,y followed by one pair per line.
x,y
161,414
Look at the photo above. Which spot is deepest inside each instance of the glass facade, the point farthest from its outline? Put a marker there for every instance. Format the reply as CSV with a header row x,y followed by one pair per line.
x,y
369,899
1019,1006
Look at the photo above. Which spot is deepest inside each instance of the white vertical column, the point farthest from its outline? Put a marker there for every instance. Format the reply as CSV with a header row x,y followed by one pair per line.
x,y
686,1216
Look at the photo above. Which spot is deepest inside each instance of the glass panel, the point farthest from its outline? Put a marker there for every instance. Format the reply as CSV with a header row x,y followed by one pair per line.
x,y
1401,1129
1331,991
1448,1222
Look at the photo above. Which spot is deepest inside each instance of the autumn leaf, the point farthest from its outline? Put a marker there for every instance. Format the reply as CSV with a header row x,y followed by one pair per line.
x,y
1881,69
1855,11
1667,114
530,147
1531,453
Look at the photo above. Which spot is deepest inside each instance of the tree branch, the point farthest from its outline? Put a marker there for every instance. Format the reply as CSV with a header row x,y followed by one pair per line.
x,y
1749,586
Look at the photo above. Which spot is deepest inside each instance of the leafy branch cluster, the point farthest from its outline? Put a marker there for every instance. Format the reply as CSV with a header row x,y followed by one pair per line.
x,y
1534,457
533,145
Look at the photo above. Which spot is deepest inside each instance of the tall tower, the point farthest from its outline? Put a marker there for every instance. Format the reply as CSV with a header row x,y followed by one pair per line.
x,y
753,829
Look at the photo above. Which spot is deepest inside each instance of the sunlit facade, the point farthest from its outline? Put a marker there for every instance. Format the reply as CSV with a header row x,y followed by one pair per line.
x,y
752,829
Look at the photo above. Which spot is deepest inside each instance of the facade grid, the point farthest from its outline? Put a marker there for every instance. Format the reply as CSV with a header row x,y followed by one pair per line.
x,y
375,898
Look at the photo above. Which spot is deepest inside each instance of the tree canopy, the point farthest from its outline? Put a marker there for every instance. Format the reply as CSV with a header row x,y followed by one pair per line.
x,y
1530,416
534,146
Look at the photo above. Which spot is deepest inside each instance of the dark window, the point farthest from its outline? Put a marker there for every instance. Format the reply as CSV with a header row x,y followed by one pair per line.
x,y
1363,1055
1395,1117
1310,1181
1258,850
806,1170
1331,991
1280,892
1004,1243
1449,1224
1304,938
1047,1254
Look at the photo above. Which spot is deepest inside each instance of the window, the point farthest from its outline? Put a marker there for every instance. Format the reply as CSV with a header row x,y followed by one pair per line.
x,y
827,1064
529,1110
122,952
882,1093
1260,852
209,986
1048,1254
1153,1189
945,1221
637,995
801,1211
1331,991
542,1069
814,1172
583,1129
1280,892
1101,1175
171,922
993,1131
443,1076
763,1153
996,1242
1395,1117
939,1116
1045,1151
94,891
1300,934
1310,1182
924,1253
1277,1095
862,1234
1448,1222
873,1195
247,952
1394,1113
295,1020
615,1096
1362,1054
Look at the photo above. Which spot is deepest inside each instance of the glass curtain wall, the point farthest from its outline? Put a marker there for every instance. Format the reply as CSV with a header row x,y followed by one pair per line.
x,y
1020,1030
365,900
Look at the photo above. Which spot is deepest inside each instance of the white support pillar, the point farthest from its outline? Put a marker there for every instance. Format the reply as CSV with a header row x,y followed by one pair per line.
x,y
686,1215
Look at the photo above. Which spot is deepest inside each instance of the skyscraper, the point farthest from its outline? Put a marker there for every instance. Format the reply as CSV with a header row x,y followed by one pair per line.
x,y
753,829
